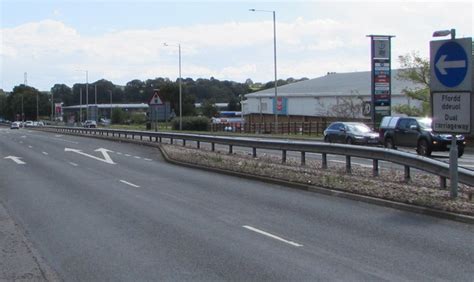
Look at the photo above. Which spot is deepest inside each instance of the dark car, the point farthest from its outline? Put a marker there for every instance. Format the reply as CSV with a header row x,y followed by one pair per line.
x,y
351,133
416,132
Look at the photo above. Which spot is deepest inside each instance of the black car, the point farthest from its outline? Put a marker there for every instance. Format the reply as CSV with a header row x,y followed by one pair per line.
x,y
416,132
350,133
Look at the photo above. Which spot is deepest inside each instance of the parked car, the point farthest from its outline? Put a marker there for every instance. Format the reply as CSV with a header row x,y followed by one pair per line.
x,y
417,133
89,124
28,123
15,125
351,133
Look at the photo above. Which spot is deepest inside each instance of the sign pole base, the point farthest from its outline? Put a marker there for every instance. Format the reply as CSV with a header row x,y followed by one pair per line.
x,y
453,167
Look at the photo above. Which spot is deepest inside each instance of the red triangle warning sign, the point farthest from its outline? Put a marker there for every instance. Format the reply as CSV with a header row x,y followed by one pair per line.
x,y
156,100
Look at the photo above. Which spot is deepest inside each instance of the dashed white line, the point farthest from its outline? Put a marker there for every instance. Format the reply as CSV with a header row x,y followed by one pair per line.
x,y
130,184
73,164
127,155
148,160
118,153
29,146
45,153
137,157
271,236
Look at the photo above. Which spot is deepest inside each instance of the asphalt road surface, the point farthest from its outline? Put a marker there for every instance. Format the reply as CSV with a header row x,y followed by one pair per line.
x,y
98,210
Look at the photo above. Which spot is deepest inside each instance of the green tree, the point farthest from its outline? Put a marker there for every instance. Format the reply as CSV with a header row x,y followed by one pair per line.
x,y
209,108
118,116
233,105
3,104
26,96
417,70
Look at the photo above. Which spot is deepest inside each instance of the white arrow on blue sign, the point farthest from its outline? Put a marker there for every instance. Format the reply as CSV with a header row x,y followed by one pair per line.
x,y
451,65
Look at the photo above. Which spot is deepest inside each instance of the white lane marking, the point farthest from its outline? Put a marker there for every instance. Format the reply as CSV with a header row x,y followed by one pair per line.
x,y
127,155
148,160
45,153
130,184
23,136
137,157
21,142
106,158
17,160
29,146
118,153
73,164
271,236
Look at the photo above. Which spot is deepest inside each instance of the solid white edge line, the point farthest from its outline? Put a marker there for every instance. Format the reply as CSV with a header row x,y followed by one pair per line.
x,y
130,184
271,236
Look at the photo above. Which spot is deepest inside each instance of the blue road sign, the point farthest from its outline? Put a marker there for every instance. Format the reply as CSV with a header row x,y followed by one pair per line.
x,y
451,64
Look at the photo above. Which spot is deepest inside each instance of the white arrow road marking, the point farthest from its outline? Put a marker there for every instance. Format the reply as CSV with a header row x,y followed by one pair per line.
x,y
106,158
106,155
130,184
271,236
442,64
15,159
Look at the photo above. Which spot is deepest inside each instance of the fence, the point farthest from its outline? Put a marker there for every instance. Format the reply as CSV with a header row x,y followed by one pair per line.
x,y
285,128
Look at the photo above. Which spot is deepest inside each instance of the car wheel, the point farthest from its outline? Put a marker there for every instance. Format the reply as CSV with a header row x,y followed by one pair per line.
x,y
460,152
349,141
423,148
389,143
326,139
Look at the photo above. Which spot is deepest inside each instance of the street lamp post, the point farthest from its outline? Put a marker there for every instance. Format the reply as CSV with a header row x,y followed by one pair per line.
x,y
180,87
274,63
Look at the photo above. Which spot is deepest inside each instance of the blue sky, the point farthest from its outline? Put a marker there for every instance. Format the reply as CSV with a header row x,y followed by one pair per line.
x,y
122,40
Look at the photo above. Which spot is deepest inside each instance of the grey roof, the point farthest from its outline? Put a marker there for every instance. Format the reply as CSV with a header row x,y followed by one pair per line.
x,y
335,84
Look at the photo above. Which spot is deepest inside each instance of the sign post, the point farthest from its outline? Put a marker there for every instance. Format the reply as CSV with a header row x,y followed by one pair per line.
x,y
451,94
380,77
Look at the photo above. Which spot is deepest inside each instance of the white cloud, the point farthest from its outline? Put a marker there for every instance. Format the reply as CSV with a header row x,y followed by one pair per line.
x,y
229,50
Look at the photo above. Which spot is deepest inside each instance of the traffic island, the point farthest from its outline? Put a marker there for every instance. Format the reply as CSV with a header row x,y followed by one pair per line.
x,y
421,194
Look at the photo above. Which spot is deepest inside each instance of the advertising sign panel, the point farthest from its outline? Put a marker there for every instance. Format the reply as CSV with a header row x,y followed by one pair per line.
x,y
381,72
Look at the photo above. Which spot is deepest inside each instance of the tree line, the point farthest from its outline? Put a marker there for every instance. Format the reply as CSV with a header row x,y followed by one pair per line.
x,y
204,91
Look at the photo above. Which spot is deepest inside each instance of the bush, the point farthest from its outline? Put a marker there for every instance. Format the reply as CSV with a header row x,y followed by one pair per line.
x,y
118,116
192,123
138,118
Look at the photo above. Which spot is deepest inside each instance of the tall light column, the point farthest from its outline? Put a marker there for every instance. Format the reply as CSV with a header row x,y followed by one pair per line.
x,y
274,63
180,87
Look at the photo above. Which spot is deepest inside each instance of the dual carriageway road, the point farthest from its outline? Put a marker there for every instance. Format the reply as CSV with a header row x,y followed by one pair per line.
x,y
102,210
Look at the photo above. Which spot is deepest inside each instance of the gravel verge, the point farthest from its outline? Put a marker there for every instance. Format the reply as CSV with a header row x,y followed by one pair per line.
x,y
422,190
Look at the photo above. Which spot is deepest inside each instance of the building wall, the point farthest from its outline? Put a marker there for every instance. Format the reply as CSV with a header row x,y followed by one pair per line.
x,y
307,107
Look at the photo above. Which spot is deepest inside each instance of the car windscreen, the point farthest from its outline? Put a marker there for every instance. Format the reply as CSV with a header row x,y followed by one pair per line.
x,y
359,128
425,123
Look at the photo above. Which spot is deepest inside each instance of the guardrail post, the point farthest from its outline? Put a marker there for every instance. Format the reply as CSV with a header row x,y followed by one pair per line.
x,y
303,158
184,142
171,141
407,173
151,138
230,149
199,144
442,182
348,165
254,152
213,146
324,161
160,139
375,168
283,156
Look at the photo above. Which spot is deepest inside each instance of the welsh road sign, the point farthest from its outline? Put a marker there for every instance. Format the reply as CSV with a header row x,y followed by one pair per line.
x,y
451,65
